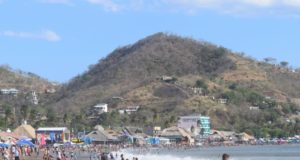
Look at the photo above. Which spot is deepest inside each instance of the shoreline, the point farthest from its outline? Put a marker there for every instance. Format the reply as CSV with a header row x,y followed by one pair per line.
x,y
207,153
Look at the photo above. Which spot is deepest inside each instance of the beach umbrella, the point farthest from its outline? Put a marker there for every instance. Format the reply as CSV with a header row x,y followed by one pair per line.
x,y
24,142
88,140
3,145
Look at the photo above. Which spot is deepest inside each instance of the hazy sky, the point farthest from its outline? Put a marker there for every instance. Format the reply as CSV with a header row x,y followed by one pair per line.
x,y
59,39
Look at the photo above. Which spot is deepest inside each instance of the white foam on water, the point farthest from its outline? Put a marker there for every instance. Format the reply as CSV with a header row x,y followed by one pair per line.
x,y
158,157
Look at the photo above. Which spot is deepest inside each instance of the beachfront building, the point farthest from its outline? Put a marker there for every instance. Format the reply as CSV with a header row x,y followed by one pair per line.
x,y
52,135
133,135
177,135
196,124
25,131
100,136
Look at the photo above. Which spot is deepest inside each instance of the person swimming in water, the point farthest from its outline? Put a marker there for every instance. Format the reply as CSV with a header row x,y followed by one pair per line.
x,y
225,157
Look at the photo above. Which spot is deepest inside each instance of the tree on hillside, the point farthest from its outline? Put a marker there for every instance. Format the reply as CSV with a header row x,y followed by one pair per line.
x,y
66,119
284,63
51,116
24,111
33,113
8,114
203,85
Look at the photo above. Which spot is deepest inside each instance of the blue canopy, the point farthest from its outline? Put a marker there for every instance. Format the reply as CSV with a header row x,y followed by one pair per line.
x,y
87,140
153,140
3,145
24,142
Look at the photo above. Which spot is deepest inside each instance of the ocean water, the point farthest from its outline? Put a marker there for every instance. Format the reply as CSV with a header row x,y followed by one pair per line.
x,y
275,152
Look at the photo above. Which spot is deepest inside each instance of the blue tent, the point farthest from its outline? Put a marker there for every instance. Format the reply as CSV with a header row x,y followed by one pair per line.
x,y
87,140
153,140
3,145
24,142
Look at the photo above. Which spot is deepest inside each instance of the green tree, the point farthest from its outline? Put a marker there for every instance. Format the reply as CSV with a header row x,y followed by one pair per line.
x,y
51,116
24,111
284,63
67,119
201,84
8,115
33,113
172,119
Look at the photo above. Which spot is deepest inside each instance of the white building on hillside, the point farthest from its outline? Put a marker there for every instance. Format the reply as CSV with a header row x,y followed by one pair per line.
x,y
11,91
101,108
35,100
129,110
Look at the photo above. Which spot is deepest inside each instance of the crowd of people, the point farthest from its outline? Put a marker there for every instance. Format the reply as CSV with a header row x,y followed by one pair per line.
x,y
91,152
16,152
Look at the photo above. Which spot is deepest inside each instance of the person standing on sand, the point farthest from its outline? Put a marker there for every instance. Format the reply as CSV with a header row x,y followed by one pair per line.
x,y
225,157
17,154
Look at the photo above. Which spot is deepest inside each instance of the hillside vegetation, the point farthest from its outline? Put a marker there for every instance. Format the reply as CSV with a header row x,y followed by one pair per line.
x,y
24,81
163,74
14,108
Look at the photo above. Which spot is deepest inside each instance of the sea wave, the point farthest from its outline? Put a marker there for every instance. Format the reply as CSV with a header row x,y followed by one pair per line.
x,y
159,157
277,152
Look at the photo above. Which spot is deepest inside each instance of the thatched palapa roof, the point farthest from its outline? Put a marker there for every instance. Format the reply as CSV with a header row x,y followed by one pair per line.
x,y
25,131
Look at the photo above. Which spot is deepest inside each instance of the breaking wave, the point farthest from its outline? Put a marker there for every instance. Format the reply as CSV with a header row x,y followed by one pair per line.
x,y
161,157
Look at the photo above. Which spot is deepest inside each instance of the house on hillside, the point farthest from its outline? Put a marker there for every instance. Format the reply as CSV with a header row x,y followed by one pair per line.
x,y
129,109
254,108
272,95
269,95
11,91
197,90
34,99
168,79
222,101
50,90
100,108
